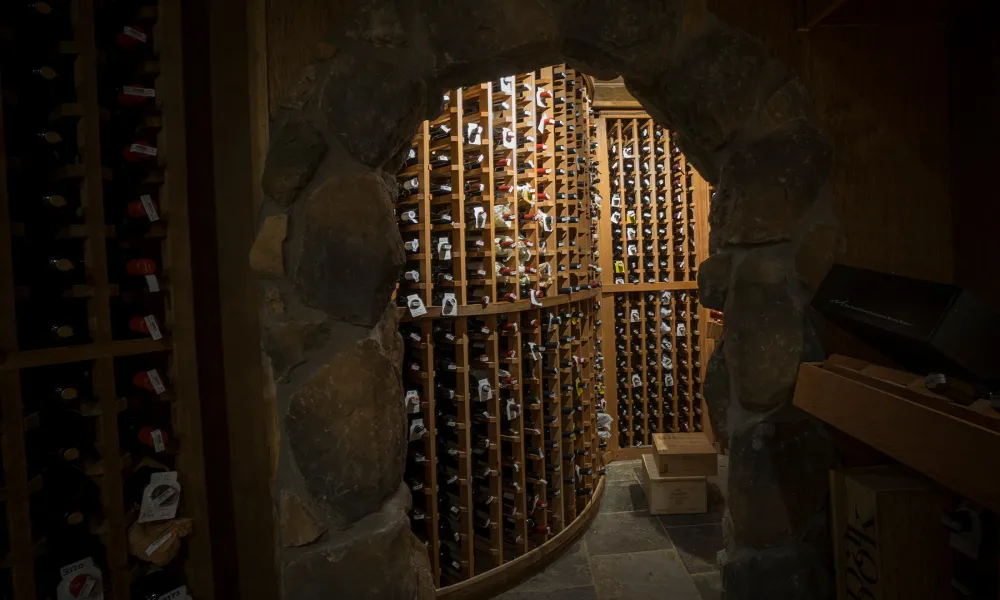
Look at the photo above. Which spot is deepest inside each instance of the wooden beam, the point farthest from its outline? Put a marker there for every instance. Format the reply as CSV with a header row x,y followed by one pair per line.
x,y
953,451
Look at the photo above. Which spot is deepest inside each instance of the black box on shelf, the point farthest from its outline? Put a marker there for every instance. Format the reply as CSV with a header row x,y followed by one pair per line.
x,y
925,326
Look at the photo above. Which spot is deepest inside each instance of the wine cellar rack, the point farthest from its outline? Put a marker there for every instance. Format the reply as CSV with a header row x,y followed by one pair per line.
x,y
98,374
504,445
503,379
495,196
653,235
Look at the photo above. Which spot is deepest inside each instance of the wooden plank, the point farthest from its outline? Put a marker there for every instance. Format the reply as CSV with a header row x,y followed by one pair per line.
x,y
186,412
514,572
103,376
434,312
932,442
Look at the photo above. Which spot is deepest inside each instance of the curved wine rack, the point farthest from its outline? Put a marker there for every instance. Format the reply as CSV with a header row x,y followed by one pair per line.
x,y
499,308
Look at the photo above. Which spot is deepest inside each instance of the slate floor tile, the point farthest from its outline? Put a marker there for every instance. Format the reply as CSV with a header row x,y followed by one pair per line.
x,y
655,575
698,546
615,533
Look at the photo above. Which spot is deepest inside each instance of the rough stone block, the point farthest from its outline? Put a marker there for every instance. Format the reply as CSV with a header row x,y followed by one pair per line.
x,y
287,342
714,84
299,525
817,250
764,332
373,559
297,148
345,253
767,185
266,255
371,104
778,481
477,41
346,429
716,388
713,280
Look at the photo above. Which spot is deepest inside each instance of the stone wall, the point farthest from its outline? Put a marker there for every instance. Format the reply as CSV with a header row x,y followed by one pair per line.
x,y
328,253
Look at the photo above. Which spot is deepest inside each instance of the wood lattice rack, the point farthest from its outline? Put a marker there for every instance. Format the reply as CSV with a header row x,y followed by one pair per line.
x,y
503,388
653,235
76,43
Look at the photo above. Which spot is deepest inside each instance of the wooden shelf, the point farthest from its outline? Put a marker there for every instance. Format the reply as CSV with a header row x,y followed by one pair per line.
x,y
956,446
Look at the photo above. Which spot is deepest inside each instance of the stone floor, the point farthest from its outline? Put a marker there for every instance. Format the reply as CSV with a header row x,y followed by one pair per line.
x,y
629,554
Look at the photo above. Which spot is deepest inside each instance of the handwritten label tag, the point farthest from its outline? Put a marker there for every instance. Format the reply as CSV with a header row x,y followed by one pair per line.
x,y
412,401
156,381
634,316
150,207
449,305
160,498
153,326
415,305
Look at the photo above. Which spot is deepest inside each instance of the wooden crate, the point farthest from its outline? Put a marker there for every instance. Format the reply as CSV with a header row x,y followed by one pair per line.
x,y
888,540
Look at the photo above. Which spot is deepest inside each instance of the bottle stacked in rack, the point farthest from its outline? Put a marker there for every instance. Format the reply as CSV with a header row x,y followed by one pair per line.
x,y
504,447
654,227
87,370
495,197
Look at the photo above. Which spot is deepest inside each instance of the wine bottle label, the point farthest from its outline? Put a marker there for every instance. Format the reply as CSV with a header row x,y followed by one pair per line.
x,y
145,149
150,207
152,283
412,401
178,594
415,305
135,34
143,92
153,327
156,437
160,498
150,549
154,381
449,305
80,581
417,431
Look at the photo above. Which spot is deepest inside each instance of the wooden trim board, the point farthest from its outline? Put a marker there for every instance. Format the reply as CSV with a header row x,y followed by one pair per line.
x,y
508,575
958,454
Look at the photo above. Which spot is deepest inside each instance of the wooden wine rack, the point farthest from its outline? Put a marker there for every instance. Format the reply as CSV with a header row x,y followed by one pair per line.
x,y
653,236
548,181
524,474
103,351
502,191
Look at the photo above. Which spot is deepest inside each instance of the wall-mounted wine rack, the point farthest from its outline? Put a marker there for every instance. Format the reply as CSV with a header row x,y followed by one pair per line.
x,y
98,375
653,236
495,197
503,379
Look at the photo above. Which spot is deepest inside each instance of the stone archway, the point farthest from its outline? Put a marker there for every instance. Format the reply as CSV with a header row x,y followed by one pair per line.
x,y
328,254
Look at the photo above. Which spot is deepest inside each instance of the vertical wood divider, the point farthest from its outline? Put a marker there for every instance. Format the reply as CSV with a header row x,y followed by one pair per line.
x,y
430,481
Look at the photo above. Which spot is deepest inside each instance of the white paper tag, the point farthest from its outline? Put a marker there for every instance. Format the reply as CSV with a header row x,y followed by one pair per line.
x,y
681,330
156,545
135,34
156,381
412,401
153,327
579,477
511,409
152,283
157,437
479,217
664,327
485,391
444,248
533,350
417,429
143,149
616,217
134,90
415,305
150,207
160,498
668,380
630,233
633,250
634,316
534,298
636,380
667,363
449,305
178,594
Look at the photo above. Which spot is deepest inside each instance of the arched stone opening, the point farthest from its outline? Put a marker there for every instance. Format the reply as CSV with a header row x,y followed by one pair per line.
x,y
328,254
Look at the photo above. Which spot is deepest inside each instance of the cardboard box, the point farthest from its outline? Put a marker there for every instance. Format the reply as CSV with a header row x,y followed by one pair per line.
x,y
684,454
672,495
887,535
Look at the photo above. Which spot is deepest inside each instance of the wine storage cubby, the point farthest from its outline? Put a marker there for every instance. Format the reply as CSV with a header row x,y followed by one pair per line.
x,y
505,438
103,482
496,195
653,236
